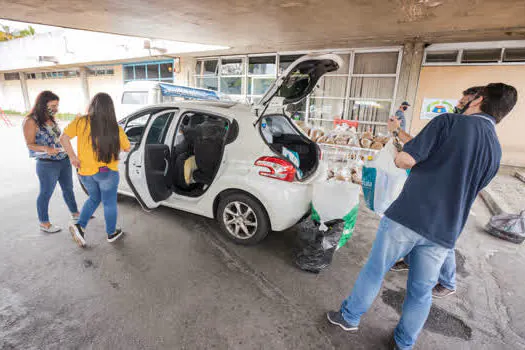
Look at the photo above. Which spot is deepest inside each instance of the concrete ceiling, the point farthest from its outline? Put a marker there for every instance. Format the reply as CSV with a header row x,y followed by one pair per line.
x,y
272,25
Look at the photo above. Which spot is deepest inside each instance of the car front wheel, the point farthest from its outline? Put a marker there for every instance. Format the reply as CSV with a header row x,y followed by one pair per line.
x,y
243,219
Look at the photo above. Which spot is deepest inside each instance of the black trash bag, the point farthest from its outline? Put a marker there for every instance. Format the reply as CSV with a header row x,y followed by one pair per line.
x,y
316,248
510,227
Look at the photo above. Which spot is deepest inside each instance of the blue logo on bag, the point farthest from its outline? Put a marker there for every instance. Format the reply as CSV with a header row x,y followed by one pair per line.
x,y
368,185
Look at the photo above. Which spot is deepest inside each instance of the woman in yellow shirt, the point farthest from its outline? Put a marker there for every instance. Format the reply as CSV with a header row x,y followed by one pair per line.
x,y
99,142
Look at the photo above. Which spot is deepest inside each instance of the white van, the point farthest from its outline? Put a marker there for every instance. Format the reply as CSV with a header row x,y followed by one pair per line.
x,y
139,94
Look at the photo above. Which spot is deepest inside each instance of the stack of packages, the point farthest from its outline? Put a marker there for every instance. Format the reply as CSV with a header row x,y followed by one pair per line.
x,y
382,180
334,212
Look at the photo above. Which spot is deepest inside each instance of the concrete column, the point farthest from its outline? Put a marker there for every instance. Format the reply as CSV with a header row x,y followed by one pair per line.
x,y
409,77
85,88
25,92
415,71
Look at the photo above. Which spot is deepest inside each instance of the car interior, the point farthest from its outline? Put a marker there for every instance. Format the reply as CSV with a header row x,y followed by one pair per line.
x,y
197,152
280,134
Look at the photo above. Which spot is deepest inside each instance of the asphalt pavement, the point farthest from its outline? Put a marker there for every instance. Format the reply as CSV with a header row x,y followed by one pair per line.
x,y
174,282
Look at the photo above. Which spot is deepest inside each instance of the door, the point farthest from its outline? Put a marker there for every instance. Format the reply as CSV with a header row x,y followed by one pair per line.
x,y
148,165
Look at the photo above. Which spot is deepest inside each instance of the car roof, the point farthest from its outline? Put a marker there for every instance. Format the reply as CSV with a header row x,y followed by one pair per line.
x,y
225,108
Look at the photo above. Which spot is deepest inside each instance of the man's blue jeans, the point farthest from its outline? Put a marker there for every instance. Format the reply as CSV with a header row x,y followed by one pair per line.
x,y
101,187
394,241
447,275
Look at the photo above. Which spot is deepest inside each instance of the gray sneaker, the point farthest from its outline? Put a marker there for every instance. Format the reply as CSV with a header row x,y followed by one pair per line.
x,y
335,318
440,291
400,266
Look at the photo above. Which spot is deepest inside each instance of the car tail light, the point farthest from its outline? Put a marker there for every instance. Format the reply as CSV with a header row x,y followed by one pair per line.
x,y
277,168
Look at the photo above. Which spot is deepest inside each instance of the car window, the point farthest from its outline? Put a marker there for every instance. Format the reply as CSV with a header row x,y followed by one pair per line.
x,y
135,127
135,98
276,126
159,128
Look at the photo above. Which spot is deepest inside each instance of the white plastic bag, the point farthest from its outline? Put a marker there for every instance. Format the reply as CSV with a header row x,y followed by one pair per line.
x,y
334,200
382,180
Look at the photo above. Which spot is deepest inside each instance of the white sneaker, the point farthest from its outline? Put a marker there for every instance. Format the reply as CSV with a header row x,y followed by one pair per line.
x,y
51,229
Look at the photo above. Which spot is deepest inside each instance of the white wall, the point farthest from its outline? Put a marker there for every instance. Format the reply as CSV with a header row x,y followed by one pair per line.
x,y
11,97
68,90
111,85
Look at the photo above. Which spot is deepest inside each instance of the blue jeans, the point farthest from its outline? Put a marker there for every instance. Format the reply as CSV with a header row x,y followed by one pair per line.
x,y
394,241
49,173
102,187
447,275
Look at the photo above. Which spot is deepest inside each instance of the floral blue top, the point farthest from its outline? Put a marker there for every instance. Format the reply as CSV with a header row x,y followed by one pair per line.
x,y
48,135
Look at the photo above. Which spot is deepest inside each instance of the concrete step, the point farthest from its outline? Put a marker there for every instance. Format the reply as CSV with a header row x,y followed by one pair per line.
x,y
520,175
494,202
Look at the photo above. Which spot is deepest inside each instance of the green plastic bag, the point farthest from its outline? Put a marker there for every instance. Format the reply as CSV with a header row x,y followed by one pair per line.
x,y
349,224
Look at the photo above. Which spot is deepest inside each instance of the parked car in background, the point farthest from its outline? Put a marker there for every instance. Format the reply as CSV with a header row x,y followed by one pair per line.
x,y
249,167
138,94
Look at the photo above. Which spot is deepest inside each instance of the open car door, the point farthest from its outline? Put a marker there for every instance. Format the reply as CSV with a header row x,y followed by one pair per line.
x,y
148,164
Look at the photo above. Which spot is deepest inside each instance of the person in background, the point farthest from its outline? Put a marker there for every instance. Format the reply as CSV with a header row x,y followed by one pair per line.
x,y
42,133
400,114
447,277
99,141
425,221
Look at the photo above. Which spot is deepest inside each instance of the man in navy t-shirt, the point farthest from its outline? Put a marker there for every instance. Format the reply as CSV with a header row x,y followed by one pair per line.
x,y
451,160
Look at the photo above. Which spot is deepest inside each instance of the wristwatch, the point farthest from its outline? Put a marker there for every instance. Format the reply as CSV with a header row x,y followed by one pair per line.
x,y
396,132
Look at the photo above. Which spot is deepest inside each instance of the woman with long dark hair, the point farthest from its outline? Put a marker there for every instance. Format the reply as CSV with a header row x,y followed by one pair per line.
x,y
99,141
42,135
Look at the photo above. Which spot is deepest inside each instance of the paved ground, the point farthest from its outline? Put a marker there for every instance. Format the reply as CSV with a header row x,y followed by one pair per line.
x,y
174,283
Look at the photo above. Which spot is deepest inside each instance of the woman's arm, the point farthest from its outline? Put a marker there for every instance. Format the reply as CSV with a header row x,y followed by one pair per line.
x,y
30,129
65,141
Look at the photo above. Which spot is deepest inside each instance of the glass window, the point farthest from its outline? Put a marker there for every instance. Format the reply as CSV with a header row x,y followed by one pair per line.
x,y
375,63
372,87
329,86
128,73
329,109
166,71
369,111
210,83
286,60
261,65
153,71
140,72
135,97
233,66
442,56
135,128
481,56
159,127
206,67
514,55
11,76
232,86
259,85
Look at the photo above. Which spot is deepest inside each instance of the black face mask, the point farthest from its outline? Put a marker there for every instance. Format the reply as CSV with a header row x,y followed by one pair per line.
x,y
404,108
458,110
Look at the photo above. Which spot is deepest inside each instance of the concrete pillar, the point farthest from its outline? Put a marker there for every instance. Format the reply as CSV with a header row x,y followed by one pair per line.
x,y
85,88
25,92
415,71
409,77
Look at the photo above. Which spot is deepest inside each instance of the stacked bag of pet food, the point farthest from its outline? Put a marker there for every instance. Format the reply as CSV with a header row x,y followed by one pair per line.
x,y
334,212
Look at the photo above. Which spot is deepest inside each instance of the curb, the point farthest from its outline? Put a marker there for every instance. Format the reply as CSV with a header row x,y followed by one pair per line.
x,y
494,202
520,176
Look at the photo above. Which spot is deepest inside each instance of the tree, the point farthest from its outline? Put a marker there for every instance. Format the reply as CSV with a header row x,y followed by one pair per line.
x,y
7,34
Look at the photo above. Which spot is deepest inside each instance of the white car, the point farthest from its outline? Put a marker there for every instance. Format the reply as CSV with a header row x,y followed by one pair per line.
x,y
247,166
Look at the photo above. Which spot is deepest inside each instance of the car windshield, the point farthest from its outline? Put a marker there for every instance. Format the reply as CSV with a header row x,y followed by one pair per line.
x,y
135,98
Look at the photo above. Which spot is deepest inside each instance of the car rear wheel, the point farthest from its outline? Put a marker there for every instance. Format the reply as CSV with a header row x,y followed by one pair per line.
x,y
243,219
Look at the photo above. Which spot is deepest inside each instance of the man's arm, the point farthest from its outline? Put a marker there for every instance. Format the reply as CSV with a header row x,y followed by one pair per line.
x,y
404,161
394,125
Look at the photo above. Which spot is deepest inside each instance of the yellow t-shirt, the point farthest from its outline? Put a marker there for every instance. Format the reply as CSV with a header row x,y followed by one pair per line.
x,y
89,165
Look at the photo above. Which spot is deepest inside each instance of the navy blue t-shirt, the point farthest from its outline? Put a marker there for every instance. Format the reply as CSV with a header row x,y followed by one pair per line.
x,y
456,156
